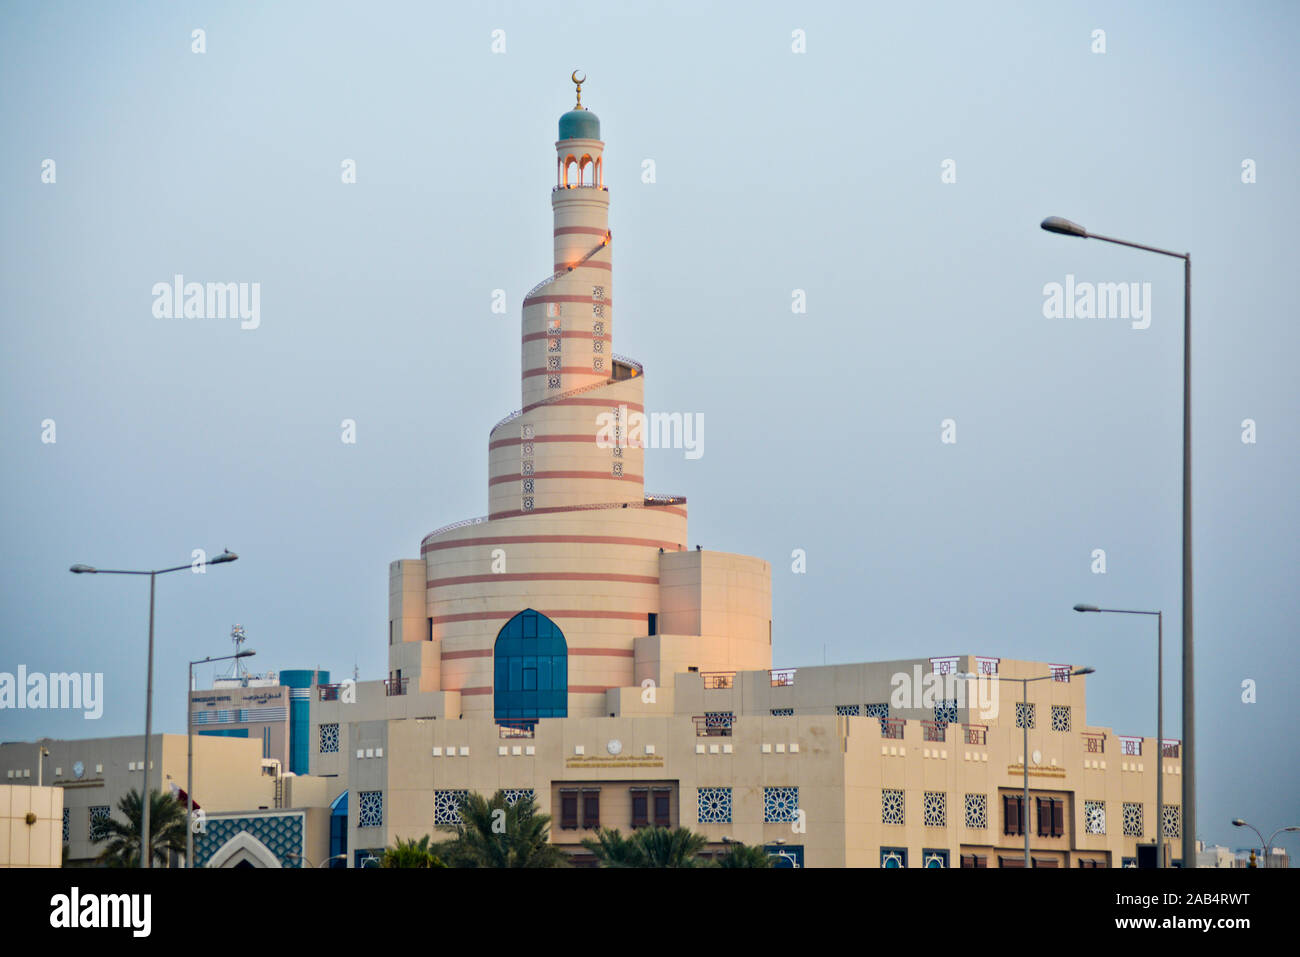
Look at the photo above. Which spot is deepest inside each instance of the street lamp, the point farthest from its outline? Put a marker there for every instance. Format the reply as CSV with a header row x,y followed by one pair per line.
x,y
1055,224
1024,724
306,860
1160,718
1268,846
189,751
79,569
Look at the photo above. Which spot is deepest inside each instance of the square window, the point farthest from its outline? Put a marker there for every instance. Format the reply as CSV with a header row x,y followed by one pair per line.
x,y
1060,717
329,739
977,811
526,431
780,804
99,817
597,292
891,807
553,344
1133,825
598,310
597,345
598,328
618,470
528,486
1094,817
528,503
446,807
598,364
935,809
1024,714
715,805
370,809
526,449
552,382
553,363
526,467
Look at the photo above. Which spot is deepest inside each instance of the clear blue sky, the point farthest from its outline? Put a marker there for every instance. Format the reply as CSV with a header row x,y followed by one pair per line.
x,y
775,172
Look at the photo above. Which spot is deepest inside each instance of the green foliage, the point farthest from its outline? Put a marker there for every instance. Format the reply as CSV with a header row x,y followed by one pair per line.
x,y
647,847
744,855
167,821
411,853
491,833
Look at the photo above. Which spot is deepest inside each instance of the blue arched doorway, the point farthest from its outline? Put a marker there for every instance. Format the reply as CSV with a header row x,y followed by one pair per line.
x,y
531,660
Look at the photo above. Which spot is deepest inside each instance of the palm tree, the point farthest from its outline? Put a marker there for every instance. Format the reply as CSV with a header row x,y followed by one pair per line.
x,y
494,833
647,847
612,849
166,830
411,853
744,855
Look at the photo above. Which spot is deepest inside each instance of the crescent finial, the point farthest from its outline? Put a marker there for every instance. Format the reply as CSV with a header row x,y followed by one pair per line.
x,y
578,83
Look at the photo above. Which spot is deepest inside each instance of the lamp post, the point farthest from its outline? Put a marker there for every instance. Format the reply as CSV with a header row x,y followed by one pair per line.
x,y
226,556
1024,724
1267,845
1055,224
1160,718
189,751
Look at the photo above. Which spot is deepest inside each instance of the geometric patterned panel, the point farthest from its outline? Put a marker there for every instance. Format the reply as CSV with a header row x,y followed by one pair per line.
x,y
370,809
977,810
1094,817
880,711
782,712
99,814
847,709
1060,717
281,833
891,807
1173,820
67,824
1133,826
1024,714
715,805
945,711
446,806
717,720
513,795
329,739
935,809
780,804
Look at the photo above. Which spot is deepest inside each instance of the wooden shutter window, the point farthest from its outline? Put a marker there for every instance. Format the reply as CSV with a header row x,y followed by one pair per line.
x,y
640,811
662,806
591,809
1058,818
1010,814
569,810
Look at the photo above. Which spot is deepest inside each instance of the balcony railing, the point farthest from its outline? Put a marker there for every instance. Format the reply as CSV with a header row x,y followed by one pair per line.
x,y
329,692
892,728
976,733
393,687
718,679
1171,749
782,677
713,725
516,729
1094,743
934,731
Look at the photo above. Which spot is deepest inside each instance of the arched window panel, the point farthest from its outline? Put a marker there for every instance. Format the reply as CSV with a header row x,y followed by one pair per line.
x,y
531,669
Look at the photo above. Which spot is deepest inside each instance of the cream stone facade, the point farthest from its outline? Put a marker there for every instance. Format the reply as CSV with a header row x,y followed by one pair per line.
x,y
572,646
30,826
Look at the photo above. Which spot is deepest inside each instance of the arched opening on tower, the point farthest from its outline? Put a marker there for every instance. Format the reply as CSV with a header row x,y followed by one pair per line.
x,y
531,669
586,171
570,171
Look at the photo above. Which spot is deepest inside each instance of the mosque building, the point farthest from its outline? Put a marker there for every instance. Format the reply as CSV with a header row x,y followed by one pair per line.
x,y
571,646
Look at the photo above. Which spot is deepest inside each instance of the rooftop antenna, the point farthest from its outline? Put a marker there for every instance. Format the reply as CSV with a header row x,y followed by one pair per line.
x,y
237,669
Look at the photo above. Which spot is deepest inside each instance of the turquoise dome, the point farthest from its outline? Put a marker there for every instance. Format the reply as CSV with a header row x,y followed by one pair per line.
x,y
579,125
